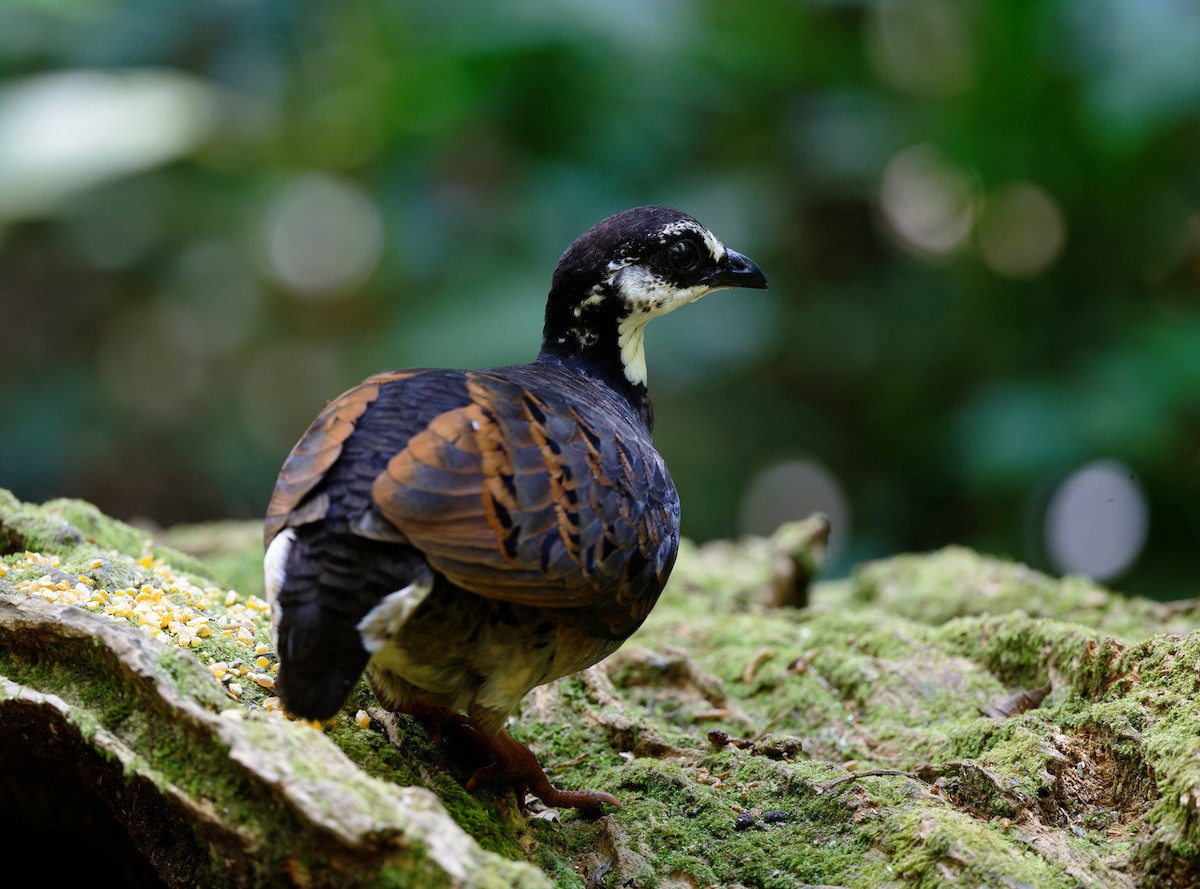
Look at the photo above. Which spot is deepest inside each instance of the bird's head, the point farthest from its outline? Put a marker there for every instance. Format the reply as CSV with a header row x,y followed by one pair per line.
x,y
622,272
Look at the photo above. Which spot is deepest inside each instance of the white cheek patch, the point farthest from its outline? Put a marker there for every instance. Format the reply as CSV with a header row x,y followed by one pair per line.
x,y
385,620
646,296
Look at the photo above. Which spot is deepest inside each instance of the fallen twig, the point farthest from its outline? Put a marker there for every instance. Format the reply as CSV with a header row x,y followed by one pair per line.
x,y
867,773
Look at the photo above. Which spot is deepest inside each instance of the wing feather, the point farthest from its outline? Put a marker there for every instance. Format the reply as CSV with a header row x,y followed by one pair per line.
x,y
538,499
316,452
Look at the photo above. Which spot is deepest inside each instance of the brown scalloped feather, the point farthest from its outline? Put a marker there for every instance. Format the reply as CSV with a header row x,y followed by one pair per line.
x,y
515,499
318,449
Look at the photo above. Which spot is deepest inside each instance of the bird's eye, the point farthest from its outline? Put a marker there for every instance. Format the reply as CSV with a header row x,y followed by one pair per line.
x,y
684,257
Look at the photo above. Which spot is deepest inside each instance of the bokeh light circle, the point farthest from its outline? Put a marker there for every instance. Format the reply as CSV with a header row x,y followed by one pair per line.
x,y
1021,230
928,203
792,490
1096,521
321,236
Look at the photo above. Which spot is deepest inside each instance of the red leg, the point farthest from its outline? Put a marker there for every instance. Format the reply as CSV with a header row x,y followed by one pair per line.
x,y
438,721
434,719
508,760
515,764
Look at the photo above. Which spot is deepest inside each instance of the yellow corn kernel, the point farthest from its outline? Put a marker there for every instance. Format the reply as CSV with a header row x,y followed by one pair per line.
x,y
363,720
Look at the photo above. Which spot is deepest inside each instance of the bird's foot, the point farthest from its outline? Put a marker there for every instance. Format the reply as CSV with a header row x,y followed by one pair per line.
x,y
515,764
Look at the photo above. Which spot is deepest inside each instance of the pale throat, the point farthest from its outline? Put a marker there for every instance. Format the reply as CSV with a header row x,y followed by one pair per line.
x,y
646,296
631,337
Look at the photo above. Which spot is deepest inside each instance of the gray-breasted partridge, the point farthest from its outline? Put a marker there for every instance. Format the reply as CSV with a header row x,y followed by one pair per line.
x,y
465,536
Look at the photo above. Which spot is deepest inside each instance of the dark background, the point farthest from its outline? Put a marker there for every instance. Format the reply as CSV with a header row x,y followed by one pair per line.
x,y
980,220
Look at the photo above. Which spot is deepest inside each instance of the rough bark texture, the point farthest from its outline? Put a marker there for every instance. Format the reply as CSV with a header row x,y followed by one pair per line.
x,y
936,720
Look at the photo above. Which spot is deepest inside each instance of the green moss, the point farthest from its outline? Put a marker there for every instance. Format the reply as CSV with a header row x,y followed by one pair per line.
x,y
168,753
892,668
75,527
180,667
931,847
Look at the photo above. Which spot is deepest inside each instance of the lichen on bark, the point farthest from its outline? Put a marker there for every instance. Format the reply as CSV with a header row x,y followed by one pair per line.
x,y
937,719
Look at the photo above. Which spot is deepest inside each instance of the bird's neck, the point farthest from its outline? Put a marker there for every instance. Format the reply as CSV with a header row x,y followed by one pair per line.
x,y
589,339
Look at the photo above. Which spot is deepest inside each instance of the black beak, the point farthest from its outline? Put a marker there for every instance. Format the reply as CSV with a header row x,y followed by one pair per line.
x,y
738,271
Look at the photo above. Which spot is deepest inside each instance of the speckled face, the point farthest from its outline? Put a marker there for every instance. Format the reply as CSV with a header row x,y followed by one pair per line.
x,y
676,267
630,268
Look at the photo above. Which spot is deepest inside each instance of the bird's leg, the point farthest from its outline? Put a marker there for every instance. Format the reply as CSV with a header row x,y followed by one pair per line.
x,y
514,763
435,720
506,758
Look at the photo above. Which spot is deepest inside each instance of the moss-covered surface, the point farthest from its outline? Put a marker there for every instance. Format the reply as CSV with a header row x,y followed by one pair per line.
x,y
139,694
943,719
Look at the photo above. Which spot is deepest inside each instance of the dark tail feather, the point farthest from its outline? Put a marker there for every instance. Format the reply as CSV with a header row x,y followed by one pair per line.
x,y
328,585
320,655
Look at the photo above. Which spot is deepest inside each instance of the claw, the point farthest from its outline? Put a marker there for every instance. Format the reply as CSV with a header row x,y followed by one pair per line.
x,y
507,760
513,762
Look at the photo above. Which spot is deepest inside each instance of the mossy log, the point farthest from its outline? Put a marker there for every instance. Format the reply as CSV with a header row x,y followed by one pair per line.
x,y
935,720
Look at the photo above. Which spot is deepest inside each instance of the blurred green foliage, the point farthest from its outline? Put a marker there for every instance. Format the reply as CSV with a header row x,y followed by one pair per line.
x,y
981,223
